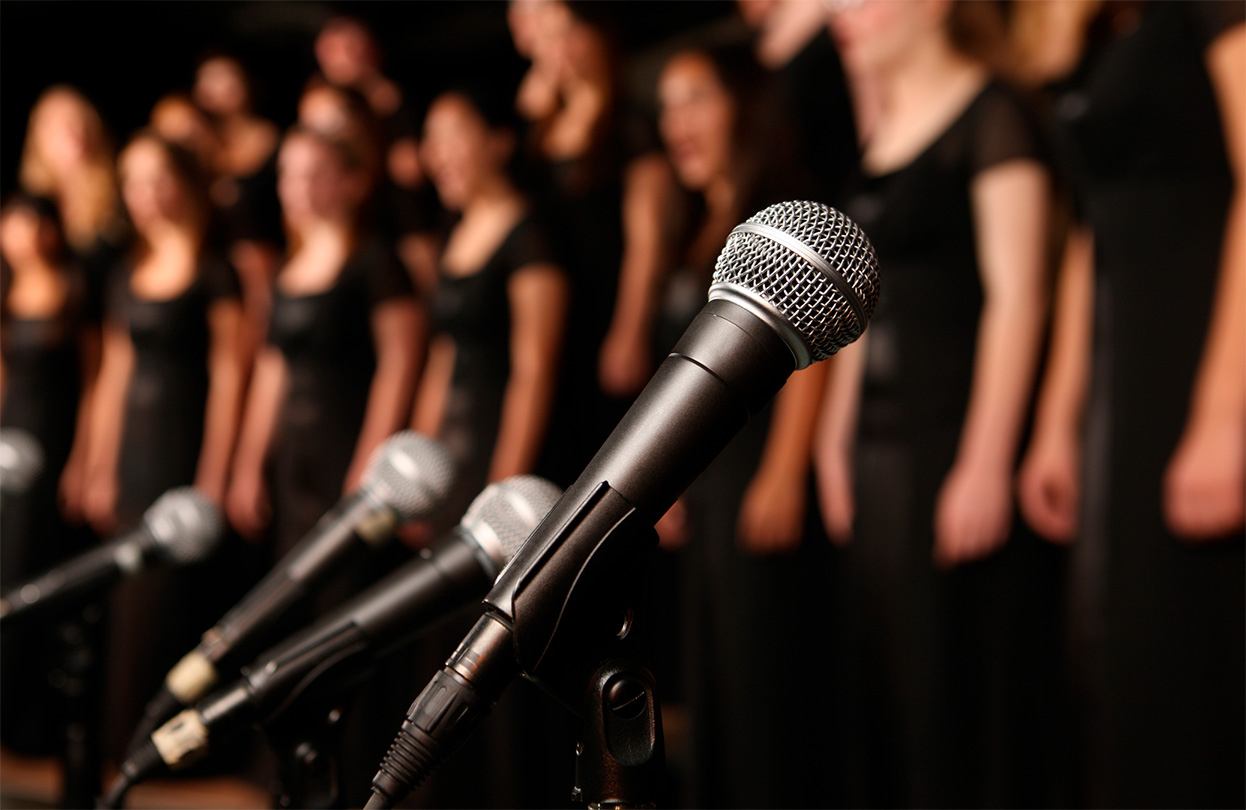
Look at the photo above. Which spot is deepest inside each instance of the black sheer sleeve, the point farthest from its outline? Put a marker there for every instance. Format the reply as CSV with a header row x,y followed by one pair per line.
x,y
219,280
383,277
528,244
1211,18
1003,130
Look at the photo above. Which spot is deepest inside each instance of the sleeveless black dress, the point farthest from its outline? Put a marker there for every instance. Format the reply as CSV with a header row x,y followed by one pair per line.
x,y
42,386
326,340
157,617
1160,631
949,697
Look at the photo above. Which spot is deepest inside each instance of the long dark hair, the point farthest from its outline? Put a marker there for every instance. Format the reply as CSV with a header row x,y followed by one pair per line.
x,y
764,153
493,102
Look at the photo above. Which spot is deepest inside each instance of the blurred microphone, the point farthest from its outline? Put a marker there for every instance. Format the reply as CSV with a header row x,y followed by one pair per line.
x,y
21,460
181,527
793,285
408,478
340,648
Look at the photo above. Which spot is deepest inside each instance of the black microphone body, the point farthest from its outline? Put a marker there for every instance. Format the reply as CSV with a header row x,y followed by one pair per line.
x,y
180,527
320,662
724,370
408,478
323,661
785,298
335,540
339,650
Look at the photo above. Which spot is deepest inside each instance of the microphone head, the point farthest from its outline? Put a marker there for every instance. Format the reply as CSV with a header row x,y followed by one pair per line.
x,y
21,460
411,473
806,269
185,525
505,513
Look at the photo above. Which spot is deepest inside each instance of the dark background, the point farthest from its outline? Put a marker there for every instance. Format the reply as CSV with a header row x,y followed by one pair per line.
x,y
125,54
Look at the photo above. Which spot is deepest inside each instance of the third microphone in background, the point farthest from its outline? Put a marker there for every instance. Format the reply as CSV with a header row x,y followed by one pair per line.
x,y
296,682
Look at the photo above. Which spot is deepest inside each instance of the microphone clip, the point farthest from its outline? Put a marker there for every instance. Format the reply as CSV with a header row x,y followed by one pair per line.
x,y
587,650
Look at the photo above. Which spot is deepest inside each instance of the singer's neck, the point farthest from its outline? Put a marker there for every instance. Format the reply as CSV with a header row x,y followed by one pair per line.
x,y
38,289
930,72
494,195
330,239
915,100
171,242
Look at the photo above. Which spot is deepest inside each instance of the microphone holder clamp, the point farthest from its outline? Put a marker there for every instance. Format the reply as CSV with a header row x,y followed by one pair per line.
x,y
588,652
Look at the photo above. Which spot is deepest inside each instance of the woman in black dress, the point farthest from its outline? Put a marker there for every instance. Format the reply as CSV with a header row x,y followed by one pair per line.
x,y
49,353
1140,441
68,156
500,308
606,189
244,188
488,393
755,558
944,596
165,410
336,377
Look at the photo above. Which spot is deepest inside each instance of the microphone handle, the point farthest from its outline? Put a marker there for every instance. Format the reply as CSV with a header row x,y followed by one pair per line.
x,y
241,630
329,543
327,657
338,649
725,368
86,573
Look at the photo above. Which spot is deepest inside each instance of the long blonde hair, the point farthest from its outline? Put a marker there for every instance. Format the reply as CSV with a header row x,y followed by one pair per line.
x,y
97,201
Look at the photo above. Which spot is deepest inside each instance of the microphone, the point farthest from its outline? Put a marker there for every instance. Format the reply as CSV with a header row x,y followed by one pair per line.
x,y
21,460
794,284
408,478
322,660
181,527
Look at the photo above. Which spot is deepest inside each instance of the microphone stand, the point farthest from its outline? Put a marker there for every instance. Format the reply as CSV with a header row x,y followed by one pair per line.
x,y
308,773
595,662
77,677
619,760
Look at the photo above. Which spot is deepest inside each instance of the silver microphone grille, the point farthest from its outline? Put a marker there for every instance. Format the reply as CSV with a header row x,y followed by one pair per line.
x,y
411,473
21,460
505,513
185,525
808,270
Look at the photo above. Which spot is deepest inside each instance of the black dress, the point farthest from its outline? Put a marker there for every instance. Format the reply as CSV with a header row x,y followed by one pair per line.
x,y
166,400
157,617
1160,622
474,311
581,198
326,341
42,385
247,206
949,700
525,746
816,92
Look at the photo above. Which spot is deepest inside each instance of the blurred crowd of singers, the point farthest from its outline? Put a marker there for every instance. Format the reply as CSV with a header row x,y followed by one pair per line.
x,y
989,555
